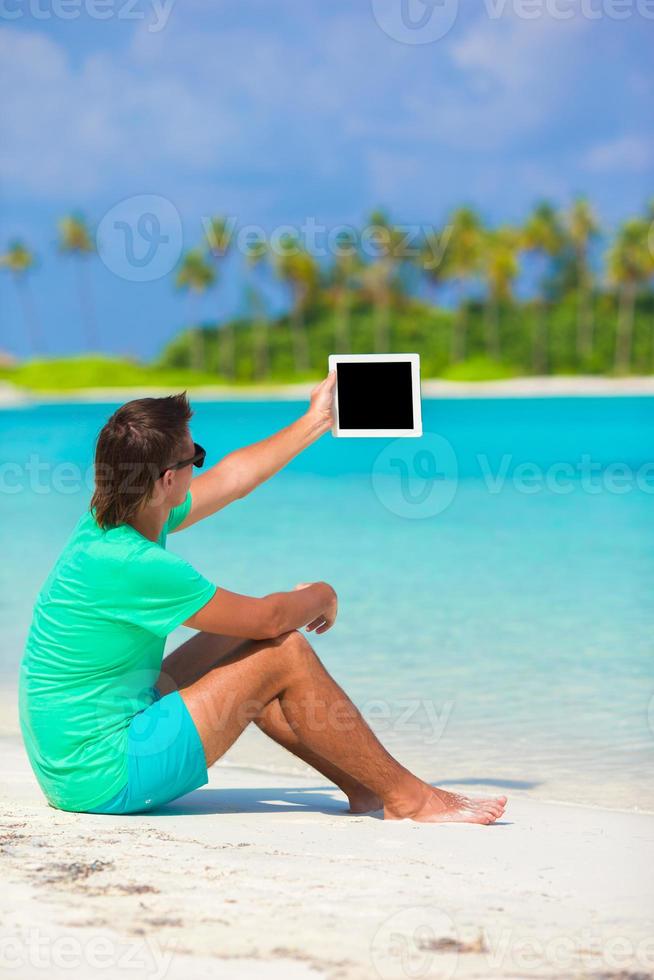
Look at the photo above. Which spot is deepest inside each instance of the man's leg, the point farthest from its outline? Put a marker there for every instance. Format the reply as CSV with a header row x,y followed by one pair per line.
x,y
227,698
206,651
272,721
192,659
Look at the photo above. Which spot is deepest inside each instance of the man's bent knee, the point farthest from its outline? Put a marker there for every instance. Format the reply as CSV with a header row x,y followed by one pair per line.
x,y
294,639
294,646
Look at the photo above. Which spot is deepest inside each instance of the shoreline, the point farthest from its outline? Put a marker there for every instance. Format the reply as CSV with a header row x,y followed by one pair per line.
x,y
257,755
259,873
254,754
12,396
477,789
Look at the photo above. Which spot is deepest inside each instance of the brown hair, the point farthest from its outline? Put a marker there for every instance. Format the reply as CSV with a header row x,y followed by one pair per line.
x,y
139,441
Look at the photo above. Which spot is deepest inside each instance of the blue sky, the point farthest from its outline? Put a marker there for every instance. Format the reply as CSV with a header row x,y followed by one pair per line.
x,y
278,112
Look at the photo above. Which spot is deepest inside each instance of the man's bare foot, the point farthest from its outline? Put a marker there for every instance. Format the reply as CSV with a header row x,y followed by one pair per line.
x,y
363,800
438,806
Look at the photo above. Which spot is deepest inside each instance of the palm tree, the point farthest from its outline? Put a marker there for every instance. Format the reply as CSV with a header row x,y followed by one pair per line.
x,y
75,240
629,265
582,227
299,270
347,263
256,253
19,261
432,255
461,263
543,236
195,275
500,267
381,273
217,236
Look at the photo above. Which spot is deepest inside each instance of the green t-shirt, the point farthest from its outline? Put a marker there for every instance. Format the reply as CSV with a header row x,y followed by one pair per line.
x,y
94,651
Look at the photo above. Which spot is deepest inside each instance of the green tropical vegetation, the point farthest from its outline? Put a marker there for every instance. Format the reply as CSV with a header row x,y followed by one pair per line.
x,y
554,295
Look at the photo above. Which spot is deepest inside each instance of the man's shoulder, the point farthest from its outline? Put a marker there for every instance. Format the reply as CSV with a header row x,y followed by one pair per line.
x,y
91,545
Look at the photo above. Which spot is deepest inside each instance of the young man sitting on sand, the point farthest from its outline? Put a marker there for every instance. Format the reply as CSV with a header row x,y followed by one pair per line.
x,y
111,728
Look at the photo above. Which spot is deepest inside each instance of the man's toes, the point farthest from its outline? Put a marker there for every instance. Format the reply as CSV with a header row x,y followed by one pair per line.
x,y
484,811
482,804
497,804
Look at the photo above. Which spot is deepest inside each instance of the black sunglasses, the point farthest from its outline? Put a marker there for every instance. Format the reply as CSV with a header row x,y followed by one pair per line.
x,y
197,459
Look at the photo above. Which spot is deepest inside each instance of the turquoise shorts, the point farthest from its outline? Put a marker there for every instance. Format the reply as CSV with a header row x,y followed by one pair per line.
x,y
165,757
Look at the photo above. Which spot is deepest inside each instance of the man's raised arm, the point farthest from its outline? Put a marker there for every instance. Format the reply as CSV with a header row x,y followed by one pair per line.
x,y
241,471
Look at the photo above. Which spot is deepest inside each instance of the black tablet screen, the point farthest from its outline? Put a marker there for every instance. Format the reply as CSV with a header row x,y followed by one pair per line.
x,y
375,395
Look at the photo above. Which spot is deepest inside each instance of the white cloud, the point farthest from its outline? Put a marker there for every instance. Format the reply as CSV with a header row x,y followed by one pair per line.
x,y
514,75
495,83
630,154
183,106
255,108
75,131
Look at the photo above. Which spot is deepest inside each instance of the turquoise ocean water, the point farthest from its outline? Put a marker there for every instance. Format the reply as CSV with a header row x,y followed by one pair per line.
x,y
495,577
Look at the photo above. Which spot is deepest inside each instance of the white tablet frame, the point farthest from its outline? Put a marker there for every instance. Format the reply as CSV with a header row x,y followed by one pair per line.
x,y
414,361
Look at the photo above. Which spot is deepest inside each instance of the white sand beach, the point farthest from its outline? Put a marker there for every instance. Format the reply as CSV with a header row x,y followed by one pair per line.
x,y
527,387
258,875
11,395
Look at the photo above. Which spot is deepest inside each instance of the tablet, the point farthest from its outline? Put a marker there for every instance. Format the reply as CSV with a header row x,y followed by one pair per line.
x,y
377,395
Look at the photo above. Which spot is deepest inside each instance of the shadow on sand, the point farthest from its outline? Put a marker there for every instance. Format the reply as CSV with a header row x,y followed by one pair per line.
x,y
507,784
268,799
289,799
